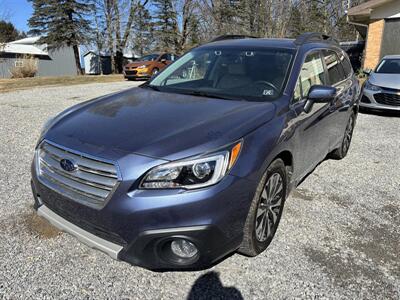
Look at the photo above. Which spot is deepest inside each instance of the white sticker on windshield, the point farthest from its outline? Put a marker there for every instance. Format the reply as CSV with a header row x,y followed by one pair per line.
x,y
268,92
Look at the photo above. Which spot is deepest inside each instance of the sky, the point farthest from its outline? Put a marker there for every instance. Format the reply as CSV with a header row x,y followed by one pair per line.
x,y
17,12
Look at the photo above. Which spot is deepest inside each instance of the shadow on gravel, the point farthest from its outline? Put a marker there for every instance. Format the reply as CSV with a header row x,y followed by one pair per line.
x,y
381,113
209,286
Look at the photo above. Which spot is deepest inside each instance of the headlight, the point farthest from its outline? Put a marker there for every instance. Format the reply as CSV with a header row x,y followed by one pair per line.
x,y
371,87
192,173
142,67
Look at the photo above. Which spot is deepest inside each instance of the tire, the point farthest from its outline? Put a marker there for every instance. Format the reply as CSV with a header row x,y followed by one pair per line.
x,y
155,71
256,237
342,151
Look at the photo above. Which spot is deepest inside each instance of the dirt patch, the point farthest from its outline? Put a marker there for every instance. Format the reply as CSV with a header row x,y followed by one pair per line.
x,y
338,200
303,194
378,243
393,211
346,270
39,227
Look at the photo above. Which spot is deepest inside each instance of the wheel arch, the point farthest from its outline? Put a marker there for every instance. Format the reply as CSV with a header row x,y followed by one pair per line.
x,y
287,157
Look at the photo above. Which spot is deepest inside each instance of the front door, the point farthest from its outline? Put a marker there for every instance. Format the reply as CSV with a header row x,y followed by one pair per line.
x,y
312,142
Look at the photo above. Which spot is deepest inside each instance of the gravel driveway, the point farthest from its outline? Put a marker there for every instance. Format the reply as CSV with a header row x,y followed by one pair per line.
x,y
339,236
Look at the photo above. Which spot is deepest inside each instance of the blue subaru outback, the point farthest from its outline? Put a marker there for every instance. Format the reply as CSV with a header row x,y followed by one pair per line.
x,y
197,162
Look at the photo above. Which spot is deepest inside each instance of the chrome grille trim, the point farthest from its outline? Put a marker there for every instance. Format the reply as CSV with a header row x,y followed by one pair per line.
x,y
92,183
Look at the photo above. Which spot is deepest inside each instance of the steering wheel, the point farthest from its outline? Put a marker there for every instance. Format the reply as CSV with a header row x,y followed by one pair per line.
x,y
259,82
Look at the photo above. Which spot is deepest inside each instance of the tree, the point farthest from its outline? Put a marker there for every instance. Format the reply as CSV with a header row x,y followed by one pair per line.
x,y
62,23
117,19
166,24
143,31
9,33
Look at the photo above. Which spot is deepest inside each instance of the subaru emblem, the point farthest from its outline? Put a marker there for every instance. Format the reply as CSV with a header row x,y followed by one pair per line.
x,y
68,165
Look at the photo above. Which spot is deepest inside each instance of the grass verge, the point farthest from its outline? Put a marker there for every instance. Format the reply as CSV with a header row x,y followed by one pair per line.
x,y
9,85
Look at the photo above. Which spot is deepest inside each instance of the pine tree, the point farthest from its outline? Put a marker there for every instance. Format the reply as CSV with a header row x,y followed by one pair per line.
x,y
143,29
61,23
165,24
9,33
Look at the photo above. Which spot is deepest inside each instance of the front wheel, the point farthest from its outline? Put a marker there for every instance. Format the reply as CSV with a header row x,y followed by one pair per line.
x,y
342,151
265,210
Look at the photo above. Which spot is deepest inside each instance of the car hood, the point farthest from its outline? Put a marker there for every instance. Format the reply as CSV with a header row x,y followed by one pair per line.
x,y
161,125
391,81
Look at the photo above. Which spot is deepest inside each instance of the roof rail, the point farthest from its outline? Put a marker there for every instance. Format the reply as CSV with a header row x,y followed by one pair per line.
x,y
232,37
310,37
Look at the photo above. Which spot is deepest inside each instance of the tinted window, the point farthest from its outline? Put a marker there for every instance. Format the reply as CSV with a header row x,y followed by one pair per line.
x,y
346,65
312,73
389,66
165,56
335,70
149,57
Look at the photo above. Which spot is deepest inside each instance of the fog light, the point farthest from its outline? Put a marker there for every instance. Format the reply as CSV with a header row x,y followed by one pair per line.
x,y
183,248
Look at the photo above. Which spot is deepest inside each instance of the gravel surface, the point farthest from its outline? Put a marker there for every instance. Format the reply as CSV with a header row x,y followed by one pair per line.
x,y
338,238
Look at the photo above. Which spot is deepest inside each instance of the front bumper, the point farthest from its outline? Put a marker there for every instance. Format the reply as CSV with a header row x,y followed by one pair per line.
x,y
368,100
137,74
136,228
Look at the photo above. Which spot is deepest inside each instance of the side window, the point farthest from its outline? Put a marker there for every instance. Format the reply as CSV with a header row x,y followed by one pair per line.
x,y
347,67
335,70
312,73
164,56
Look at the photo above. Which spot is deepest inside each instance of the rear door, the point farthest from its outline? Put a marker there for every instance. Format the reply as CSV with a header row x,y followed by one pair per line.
x,y
339,108
312,140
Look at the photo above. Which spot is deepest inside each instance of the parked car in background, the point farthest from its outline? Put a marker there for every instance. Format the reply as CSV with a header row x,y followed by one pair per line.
x,y
198,162
148,65
381,90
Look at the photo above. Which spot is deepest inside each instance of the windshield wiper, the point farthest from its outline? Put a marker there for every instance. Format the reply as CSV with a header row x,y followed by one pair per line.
x,y
149,86
208,95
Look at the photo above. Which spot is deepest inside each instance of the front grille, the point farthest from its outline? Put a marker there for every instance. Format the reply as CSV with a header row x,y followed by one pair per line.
x,y
91,183
387,99
130,72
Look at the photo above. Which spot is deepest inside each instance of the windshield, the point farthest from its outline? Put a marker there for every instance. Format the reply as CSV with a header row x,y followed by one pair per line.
x,y
149,57
232,73
389,66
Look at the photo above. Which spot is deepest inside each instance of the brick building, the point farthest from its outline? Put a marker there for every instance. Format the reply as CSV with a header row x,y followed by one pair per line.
x,y
378,22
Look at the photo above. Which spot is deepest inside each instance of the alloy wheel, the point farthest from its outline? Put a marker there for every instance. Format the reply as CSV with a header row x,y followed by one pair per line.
x,y
269,208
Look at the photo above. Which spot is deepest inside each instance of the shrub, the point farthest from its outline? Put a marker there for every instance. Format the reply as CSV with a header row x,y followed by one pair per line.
x,y
27,67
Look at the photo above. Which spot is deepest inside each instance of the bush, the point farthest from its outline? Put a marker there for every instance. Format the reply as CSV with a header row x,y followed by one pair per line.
x,y
27,67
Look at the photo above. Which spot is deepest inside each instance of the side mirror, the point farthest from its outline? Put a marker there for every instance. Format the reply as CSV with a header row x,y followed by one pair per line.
x,y
164,61
367,72
319,94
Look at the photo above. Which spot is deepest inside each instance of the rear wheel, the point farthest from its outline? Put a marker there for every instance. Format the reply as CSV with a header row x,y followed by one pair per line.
x,y
265,210
342,151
